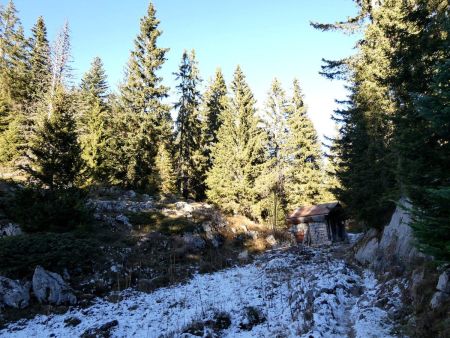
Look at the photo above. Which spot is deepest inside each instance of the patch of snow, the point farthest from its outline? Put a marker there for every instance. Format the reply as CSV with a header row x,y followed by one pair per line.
x,y
300,293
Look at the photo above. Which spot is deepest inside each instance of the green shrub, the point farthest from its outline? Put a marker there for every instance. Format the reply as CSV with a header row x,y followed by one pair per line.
x,y
39,210
19,255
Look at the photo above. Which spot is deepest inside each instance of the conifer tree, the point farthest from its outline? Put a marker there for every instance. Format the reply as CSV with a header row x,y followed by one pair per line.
x,y
238,154
95,124
54,153
166,172
188,133
214,104
148,119
303,177
272,182
14,84
40,61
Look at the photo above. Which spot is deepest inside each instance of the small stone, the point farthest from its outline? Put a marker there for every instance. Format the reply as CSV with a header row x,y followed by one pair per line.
x,y
271,240
243,256
438,299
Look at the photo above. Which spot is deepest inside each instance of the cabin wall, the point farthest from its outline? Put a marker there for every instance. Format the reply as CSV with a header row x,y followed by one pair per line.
x,y
317,233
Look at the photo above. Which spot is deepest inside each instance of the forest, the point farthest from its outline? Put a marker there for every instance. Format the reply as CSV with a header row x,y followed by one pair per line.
x,y
62,142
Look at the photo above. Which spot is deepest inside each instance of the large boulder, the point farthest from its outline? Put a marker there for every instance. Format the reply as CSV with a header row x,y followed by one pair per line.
x,y
13,293
193,242
49,287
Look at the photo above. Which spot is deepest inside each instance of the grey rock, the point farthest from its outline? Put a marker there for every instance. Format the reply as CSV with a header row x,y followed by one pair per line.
x,y
49,287
243,256
271,240
13,293
438,299
443,284
193,242
123,219
252,234
10,229
367,253
130,194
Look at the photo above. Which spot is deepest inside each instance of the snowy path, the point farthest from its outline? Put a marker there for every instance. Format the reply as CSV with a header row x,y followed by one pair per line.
x,y
297,294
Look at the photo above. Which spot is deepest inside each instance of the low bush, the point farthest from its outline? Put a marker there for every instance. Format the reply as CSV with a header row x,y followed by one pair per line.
x,y
19,255
39,210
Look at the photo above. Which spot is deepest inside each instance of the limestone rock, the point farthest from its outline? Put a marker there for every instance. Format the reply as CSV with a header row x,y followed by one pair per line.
x,y
443,284
13,293
49,287
439,298
243,256
366,254
193,242
271,240
10,229
123,220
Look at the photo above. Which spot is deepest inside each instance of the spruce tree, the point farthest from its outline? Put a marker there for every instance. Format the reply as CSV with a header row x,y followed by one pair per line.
x,y
272,182
304,174
166,171
54,153
95,124
148,119
188,133
14,84
238,154
40,61
214,103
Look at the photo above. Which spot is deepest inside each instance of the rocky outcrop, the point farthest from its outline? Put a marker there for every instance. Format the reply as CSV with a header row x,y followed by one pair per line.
x,y
442,294
13,293
394,246
50,288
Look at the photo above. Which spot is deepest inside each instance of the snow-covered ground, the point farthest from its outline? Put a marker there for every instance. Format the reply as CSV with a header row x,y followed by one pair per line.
x,y
284,293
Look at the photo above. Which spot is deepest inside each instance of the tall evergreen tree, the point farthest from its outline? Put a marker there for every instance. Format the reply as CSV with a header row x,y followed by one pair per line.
x,y
95,123
54,153
304,174
148,119
14,83
238,154
40,60
272,182
188,133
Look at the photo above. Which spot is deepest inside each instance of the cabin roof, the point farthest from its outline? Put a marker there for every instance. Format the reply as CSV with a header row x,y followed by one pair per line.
x,y
314,210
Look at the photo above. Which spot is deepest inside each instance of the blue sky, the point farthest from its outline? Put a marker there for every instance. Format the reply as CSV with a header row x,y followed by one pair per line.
x,y
268,38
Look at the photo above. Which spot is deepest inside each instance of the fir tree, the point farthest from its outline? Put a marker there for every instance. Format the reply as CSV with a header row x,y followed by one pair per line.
x,y
148,119
188,133
303,176
238,154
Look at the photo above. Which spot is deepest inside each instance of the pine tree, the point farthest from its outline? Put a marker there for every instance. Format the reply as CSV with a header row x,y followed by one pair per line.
x,y
188,133
303,177
148,119
54,154
238,154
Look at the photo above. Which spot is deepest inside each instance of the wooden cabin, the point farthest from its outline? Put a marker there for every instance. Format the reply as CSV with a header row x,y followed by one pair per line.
x,y
318,224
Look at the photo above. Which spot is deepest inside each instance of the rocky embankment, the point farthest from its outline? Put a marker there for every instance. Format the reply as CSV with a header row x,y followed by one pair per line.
x,y
393,255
